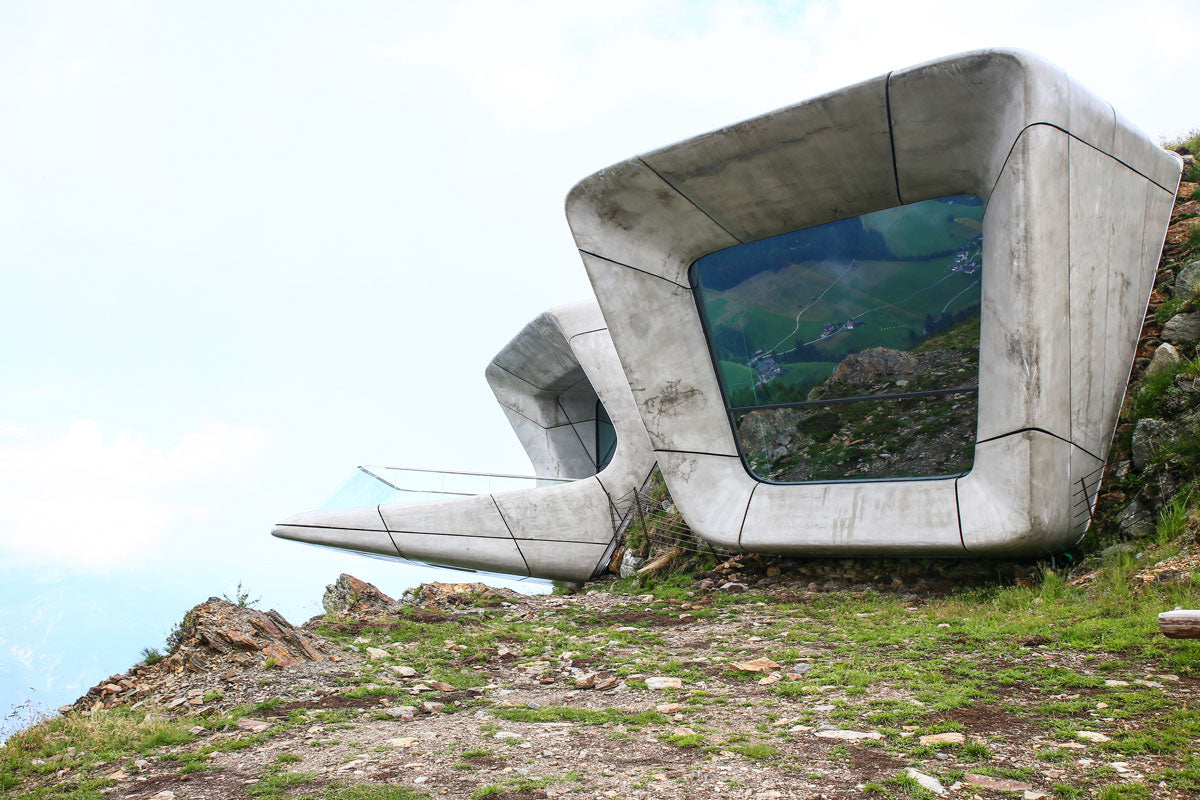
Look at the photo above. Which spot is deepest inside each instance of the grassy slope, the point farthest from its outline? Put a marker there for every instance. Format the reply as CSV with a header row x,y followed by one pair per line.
x,y
1034,657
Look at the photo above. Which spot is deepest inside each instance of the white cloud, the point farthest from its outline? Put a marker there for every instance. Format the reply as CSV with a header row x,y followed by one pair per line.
x,y
23,655
73,497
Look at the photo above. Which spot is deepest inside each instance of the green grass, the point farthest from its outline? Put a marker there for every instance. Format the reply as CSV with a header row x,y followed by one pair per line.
x,y
756,751
580,716
1190,140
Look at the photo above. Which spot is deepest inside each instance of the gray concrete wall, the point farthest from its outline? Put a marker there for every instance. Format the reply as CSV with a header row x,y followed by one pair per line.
x,y
1077,202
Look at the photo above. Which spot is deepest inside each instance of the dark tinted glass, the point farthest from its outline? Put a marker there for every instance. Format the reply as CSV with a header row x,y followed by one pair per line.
x,y
606,437
882,307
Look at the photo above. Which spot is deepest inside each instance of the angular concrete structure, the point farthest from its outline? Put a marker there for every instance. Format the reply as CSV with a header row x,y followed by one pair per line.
x,y
551,380
1075,203
895,319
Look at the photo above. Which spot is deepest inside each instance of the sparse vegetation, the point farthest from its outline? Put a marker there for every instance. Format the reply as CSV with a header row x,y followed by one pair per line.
x,y
241,597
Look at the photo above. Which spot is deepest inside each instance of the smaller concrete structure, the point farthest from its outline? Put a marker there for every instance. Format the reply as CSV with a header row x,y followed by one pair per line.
x,y
550,380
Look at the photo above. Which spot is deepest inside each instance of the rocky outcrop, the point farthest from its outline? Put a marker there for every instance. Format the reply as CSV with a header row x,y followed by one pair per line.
x,y
350,597
874,364
217,633
445,595
214,637
910,437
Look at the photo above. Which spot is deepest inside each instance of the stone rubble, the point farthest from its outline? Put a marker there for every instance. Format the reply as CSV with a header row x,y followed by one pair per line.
x,y
217,639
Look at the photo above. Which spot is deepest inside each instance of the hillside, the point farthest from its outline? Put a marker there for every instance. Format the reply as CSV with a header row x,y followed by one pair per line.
x,y
708,676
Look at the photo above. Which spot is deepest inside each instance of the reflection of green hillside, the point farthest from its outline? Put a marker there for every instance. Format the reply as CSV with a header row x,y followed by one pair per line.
x,y
923,228
963,336
736,375
764,307
811,298
808,373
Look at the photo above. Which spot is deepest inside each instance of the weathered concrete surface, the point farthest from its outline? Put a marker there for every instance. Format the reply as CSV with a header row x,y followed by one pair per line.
x,y
1070,271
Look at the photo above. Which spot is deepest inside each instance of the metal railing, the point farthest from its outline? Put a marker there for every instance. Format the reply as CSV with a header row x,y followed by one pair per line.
x,y
658,522
379,485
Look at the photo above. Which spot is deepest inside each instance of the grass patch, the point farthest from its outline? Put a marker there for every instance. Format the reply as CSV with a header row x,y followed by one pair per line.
x,y
580,716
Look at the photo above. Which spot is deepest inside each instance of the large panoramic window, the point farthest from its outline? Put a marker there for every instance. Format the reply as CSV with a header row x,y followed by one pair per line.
x,y
850,350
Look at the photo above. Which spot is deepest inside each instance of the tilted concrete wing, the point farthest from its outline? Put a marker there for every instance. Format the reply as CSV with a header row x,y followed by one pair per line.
x,y
549,380
1075,206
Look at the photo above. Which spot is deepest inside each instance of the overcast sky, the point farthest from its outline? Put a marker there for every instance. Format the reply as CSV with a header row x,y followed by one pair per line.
x,y
247,246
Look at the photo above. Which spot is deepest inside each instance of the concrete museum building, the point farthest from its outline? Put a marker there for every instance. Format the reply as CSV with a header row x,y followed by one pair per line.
x,y
895,319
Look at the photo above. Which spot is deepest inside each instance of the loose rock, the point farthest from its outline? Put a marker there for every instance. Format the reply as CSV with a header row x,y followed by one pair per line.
x,y
1165,357
1148,436
349,596
1182,329
1187,282
926,781
943,738
848,736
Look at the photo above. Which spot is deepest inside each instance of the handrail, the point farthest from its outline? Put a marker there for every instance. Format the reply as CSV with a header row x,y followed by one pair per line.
x,y
368,467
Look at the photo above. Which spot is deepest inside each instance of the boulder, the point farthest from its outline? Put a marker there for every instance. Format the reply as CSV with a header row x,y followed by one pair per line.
x,y
1136,520
1148,436
873,364
1166,357
1187,282
348,596
1182,329
630,564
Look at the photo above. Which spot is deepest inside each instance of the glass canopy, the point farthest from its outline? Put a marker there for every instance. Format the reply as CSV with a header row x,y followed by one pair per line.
x,y
374,485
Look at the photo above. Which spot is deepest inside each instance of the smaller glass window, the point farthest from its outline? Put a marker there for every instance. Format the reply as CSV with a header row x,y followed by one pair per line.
x,y
606,437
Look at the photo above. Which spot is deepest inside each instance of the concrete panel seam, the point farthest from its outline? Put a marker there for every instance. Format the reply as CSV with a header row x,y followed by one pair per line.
x,y
695,452
534,385
746,513
333,528
543,427
1035,429
887,99
1101,150
391,539
575,430
510,533
690,200
958,513
573,336
635,269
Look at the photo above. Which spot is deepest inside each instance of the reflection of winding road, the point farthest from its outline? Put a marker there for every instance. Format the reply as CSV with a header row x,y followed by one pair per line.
x,y
811,303
842,326
960,294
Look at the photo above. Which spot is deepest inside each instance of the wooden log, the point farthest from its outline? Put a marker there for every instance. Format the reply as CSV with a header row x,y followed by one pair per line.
x,y
1179,624
660,563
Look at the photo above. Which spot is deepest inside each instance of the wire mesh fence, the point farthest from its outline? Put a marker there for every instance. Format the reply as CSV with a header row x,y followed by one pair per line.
x,y
650,521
